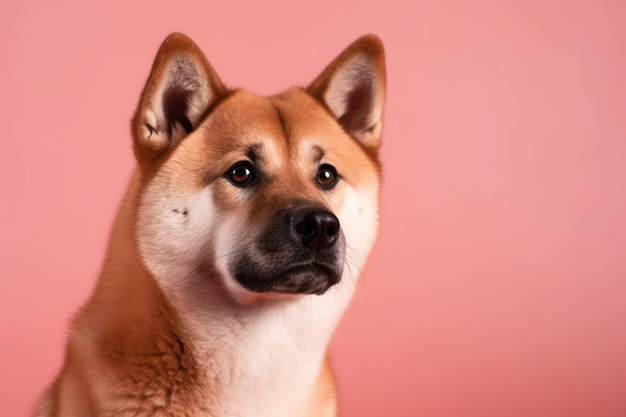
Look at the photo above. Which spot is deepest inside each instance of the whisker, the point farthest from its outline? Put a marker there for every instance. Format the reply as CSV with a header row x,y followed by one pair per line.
x,y
351,260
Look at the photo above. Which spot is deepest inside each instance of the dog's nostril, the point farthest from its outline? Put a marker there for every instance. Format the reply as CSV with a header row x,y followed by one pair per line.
x,y
306,227
318,229
332,228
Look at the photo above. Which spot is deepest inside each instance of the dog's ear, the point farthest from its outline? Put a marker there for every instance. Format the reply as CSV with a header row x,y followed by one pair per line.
x,y
353,89
178,94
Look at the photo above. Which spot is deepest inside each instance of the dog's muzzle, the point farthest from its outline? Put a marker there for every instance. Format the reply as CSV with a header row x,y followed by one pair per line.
x,y
300,252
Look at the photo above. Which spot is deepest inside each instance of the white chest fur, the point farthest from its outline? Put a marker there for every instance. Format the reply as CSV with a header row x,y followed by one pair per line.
x,y
267,361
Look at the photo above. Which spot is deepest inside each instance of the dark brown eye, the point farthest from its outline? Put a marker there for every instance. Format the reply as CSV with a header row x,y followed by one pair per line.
x,y
327,176
241,174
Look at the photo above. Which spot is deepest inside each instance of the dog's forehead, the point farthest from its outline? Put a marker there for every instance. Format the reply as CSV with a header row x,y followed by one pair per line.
x,y
303,118
288,125
242,119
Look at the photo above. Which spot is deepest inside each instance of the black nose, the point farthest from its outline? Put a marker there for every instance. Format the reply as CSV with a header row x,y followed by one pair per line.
x,y
317,228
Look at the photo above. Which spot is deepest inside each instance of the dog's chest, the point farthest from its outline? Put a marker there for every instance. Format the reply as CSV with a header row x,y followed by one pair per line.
x,y
269,364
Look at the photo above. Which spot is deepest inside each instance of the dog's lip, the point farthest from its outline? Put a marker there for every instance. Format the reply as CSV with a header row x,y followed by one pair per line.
x,y
294,279
329,269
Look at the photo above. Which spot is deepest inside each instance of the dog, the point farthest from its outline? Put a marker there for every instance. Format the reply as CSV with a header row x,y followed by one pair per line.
x,y
236,248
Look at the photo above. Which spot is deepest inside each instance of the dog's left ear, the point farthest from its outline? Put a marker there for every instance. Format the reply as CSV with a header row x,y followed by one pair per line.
x,y
178,94
353,89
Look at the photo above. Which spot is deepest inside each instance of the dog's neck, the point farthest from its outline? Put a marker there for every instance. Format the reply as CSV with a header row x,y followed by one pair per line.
x,y
262,359
268,359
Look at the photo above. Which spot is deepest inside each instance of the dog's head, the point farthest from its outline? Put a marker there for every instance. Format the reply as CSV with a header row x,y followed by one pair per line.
x,y
261,196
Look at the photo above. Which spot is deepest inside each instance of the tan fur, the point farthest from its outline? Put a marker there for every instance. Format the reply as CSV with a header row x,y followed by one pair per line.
x,y
168,331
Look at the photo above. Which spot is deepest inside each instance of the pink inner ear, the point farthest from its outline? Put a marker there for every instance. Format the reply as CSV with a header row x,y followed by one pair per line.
x,y
175,104
354,97
184,86
358,106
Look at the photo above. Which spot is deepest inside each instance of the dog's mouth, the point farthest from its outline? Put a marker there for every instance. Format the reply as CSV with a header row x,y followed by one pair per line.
x,y
299,252
311,278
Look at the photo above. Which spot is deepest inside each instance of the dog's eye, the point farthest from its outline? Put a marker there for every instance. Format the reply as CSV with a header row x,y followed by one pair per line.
x,y
327,176
241,174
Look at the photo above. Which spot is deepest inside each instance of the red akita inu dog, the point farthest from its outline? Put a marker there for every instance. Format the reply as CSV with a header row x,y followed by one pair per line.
x,y
236,248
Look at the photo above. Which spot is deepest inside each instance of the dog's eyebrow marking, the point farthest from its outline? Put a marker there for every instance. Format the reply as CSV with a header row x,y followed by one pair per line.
x,y
318,153
253,152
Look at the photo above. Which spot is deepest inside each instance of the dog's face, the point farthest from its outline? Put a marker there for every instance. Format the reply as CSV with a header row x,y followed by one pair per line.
x,y
259,197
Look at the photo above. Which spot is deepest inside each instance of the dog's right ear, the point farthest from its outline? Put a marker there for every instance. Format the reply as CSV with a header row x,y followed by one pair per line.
x,y
180,90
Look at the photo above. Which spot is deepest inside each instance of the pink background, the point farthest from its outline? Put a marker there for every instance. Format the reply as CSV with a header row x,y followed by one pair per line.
x,y
498,285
